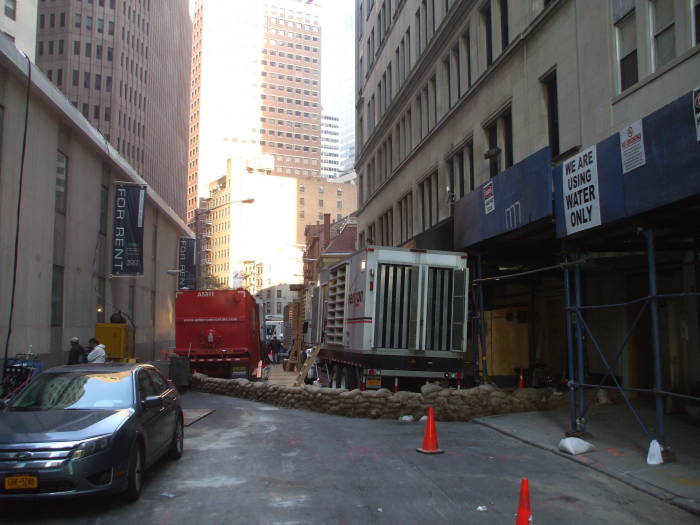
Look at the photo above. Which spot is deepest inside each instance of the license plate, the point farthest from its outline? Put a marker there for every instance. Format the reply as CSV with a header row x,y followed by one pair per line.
x,y
21,482
374,382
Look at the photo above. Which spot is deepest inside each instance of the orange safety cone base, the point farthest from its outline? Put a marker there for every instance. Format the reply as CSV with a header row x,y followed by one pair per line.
x,y
436,451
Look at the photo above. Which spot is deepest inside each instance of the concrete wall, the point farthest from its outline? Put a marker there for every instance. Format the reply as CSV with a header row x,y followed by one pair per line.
x,y
73,240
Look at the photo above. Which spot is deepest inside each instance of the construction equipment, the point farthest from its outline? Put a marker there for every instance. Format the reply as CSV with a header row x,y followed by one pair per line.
x,y
219,331
310,358
118,339
392,317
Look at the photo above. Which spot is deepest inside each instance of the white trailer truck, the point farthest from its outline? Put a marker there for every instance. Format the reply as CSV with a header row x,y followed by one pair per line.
x,y
392,318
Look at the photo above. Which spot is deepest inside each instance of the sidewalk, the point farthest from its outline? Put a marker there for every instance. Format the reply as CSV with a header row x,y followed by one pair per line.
x,y
621,447
279,377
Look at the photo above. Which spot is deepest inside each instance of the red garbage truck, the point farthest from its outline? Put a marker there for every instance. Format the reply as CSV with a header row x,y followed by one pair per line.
x,y
220,332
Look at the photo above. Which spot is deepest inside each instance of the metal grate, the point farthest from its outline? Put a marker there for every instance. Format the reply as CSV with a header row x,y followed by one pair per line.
x,y
394,292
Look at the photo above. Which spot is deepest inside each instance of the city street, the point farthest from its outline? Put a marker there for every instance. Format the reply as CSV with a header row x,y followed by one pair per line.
x,y
254,463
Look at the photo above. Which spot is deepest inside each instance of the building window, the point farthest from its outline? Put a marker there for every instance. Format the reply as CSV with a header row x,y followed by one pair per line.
x,y
405,209
279,308
486,20
78,20
76,77
279,294
550,88
627,51
61,176
696,18
76,47
88,49
86,79
88,23
428,195
11,9
320,203
664,32
494,152
59,77
503,5
57,296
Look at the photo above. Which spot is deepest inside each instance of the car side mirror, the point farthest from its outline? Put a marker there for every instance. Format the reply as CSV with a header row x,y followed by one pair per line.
x,y
152,402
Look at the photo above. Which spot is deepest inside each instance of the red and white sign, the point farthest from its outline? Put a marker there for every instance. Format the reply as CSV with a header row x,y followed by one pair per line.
x,y
489,201
632,147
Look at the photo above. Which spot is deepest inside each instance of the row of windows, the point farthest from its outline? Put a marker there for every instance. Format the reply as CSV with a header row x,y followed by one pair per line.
x,y
289,89
281,145
291,23
296,101
338,204
289,34
296,113
295,160
290,55
321,189
289,78
289,123
338,216
289,135
87,81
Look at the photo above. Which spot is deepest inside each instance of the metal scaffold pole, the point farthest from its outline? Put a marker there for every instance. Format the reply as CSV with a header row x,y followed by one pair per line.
x,y
570,350
656,346
581,421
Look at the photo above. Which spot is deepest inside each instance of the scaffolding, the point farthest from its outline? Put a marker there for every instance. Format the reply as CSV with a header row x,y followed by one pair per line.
x,y
578,330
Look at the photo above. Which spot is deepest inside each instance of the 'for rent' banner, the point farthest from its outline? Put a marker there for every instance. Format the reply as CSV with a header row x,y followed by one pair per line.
x,y
127,232
186,261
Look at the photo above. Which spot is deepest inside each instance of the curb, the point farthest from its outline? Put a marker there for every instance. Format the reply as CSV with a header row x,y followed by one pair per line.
x,y
667,497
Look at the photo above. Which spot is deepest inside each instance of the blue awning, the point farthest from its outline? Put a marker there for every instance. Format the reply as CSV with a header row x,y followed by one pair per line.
x,y
515,198
668,173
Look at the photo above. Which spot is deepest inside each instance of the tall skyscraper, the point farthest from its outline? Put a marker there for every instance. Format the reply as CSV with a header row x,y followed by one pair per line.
x,y
330,146
260,67
18,23
125,65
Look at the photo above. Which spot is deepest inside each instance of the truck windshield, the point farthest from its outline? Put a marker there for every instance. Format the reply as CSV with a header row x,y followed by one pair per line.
x,y
76,390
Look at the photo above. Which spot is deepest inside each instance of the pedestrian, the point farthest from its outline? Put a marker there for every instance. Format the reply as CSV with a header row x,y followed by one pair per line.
x,y
275,346
98,353
77,353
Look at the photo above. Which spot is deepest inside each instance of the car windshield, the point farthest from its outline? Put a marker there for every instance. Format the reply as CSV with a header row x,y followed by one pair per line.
x,y
76,390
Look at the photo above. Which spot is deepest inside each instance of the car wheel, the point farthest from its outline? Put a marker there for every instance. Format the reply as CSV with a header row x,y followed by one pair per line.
x,y
178,442
135,476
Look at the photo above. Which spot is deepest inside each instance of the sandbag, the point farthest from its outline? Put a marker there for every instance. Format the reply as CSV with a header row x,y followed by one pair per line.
x,y
575,446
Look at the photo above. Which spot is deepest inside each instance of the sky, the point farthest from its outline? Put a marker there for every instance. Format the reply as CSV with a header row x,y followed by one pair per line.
x,y
338,56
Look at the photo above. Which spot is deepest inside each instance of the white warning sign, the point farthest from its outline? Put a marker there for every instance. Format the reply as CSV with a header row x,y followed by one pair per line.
x,y
632,147
489,199
580,191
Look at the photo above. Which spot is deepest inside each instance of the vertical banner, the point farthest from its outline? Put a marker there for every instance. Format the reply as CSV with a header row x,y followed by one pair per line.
x,y
127,232
580,184
186,279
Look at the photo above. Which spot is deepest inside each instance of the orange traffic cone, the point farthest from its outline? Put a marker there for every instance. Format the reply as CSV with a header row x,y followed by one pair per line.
x,y
524,516
430,442
521,379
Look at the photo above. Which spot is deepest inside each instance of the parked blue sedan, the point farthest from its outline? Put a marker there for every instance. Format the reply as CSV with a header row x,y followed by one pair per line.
x,y
85,429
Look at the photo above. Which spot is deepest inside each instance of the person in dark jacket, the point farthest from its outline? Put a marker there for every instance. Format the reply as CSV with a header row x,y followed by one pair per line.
x,y
275,347
77,353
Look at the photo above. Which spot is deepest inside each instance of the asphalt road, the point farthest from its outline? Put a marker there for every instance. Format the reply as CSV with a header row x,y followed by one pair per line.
x,y
252,463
